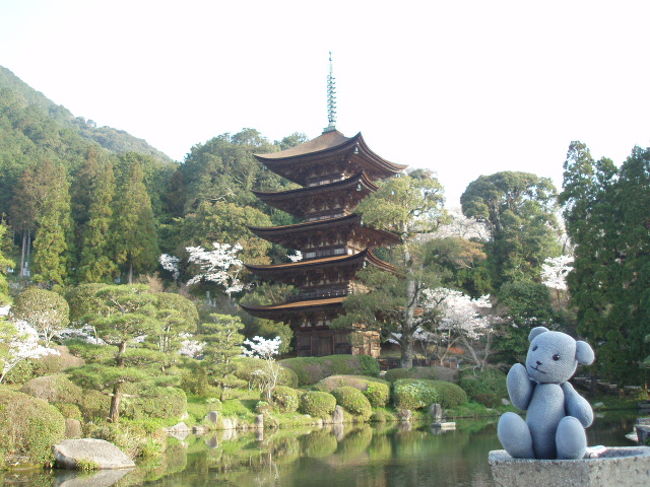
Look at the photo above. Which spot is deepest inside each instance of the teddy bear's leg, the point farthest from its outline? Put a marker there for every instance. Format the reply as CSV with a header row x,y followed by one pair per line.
x,y
515,436
570,439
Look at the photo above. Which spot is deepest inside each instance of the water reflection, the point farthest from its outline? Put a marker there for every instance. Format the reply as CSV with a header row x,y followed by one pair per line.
x,y
351,455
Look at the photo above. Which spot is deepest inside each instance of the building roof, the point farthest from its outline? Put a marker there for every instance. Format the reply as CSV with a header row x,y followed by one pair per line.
x,y
276,311
326,141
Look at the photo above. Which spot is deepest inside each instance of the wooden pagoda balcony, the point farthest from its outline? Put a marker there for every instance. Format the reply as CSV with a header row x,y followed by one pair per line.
x,y
322,292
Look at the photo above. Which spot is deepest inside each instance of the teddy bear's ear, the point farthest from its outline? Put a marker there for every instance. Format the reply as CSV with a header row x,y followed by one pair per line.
x,y
584,353
538,330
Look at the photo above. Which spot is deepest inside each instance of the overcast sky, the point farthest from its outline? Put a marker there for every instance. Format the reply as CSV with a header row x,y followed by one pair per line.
x,y
461,87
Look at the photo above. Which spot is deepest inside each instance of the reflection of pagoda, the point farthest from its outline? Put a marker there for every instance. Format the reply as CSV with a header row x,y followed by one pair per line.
x,y
336,172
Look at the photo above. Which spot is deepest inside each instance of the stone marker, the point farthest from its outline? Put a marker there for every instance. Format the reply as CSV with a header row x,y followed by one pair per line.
x,y
338,416
259,421
212,417
615,466
73,428
435,410
105,455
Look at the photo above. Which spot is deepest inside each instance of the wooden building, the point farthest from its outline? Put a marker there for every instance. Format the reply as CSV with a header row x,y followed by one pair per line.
x,y
335,173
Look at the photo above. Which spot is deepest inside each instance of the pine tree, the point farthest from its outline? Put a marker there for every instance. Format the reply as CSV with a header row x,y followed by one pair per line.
x,y
52,242
135,240
95,263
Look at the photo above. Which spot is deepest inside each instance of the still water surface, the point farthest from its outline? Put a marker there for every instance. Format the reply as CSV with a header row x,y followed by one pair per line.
x,y
360,456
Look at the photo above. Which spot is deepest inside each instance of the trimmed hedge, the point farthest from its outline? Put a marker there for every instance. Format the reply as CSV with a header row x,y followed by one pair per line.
x,y
353,401
95,405
487,387
53,388
313,369
69,411
432,373
376,390
285,399
414,393
450,395
317,404
156,402
245,366
28,428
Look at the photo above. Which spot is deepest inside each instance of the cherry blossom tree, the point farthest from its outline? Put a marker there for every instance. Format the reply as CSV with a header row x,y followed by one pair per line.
x,y
265,378
170,264
461,319
18,342
555,270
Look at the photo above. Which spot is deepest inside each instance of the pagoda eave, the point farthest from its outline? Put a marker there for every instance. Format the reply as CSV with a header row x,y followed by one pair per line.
x,y
279,312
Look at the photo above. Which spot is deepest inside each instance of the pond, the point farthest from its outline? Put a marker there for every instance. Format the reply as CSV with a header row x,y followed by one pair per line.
x,y
362,456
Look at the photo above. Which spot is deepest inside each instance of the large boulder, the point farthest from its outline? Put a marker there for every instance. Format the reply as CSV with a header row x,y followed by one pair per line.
x,y
101,454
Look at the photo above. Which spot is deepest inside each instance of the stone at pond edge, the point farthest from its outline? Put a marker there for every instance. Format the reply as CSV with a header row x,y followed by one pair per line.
x,y
435,410
212,417
104,454
338,416
617,466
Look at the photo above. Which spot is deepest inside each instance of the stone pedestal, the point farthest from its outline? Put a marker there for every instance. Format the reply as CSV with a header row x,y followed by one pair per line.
x,y
616,466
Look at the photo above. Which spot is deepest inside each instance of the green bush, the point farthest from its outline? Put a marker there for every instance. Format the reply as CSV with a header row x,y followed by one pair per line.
x,y
28,428
450,395
431,373
55,364
317,404
53,388
285,399
245,366
69,411
414,393
313,369
487,387
134,438
353,401
155,402
21,373
94,405
382,415
376,390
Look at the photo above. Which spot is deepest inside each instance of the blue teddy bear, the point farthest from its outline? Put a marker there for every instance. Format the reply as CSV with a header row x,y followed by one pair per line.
x,y
556,414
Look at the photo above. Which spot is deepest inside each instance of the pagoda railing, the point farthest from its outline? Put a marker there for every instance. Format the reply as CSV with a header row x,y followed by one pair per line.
x,y
321,293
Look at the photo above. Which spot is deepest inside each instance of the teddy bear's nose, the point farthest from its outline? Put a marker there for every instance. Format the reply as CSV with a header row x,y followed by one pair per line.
x,y
539,363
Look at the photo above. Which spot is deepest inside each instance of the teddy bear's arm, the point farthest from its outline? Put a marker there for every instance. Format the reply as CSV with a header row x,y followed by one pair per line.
x,y
577,406
520,387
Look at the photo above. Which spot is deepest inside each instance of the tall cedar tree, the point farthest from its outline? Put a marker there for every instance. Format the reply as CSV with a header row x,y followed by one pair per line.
x,y
52,243
5,264
606,214
135,240
96,191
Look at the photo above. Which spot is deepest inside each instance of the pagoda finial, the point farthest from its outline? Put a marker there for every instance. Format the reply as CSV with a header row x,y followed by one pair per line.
x,y
331,99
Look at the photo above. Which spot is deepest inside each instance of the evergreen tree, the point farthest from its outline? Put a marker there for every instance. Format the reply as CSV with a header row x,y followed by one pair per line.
x,y
52,243
95,263
5,264
135,241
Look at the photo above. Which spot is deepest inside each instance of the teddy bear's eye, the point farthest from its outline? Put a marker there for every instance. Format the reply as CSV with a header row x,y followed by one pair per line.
x,y
556,357
534,348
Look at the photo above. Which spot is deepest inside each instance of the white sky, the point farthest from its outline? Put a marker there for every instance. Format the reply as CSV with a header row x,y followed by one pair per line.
x,y
461,87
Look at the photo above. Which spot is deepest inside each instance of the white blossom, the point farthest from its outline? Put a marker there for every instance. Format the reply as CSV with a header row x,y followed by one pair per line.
x,y
18,342
170,264
460,313
4,310
190,347
85,333
262,348
463,227
555,270
296,257
220,266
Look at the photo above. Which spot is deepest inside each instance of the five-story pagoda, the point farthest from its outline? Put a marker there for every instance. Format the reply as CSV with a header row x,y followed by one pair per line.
x,y
336,173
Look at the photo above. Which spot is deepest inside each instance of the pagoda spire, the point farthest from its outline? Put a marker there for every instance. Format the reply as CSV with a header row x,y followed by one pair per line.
x,y
331,99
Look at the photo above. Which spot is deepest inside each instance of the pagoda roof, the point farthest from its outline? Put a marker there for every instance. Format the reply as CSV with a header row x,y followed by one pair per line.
x,y
294,201
284,233
280,271
277,311
287,163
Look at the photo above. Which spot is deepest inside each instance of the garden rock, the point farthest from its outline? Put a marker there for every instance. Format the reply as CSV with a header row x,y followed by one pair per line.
x,y
212,417
103,478
436,412
339,415
102,453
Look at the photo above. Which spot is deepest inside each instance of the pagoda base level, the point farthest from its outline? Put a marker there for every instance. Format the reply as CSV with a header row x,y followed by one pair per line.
x,y
321,342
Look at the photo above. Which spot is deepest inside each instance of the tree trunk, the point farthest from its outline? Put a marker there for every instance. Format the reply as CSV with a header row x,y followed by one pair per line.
x,y
119,360
406,360
409,325
28,250
130,272
114,413
23,252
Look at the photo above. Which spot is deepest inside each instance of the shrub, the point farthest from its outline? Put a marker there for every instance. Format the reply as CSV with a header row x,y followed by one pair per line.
x,y
317,404
487,386
156,402
431,373
21,373
28,427
69,411
353,401
313,369
94,405
133,438
53,388
285,399
376,390
55,364
414,393
450,395
382,415
245,366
